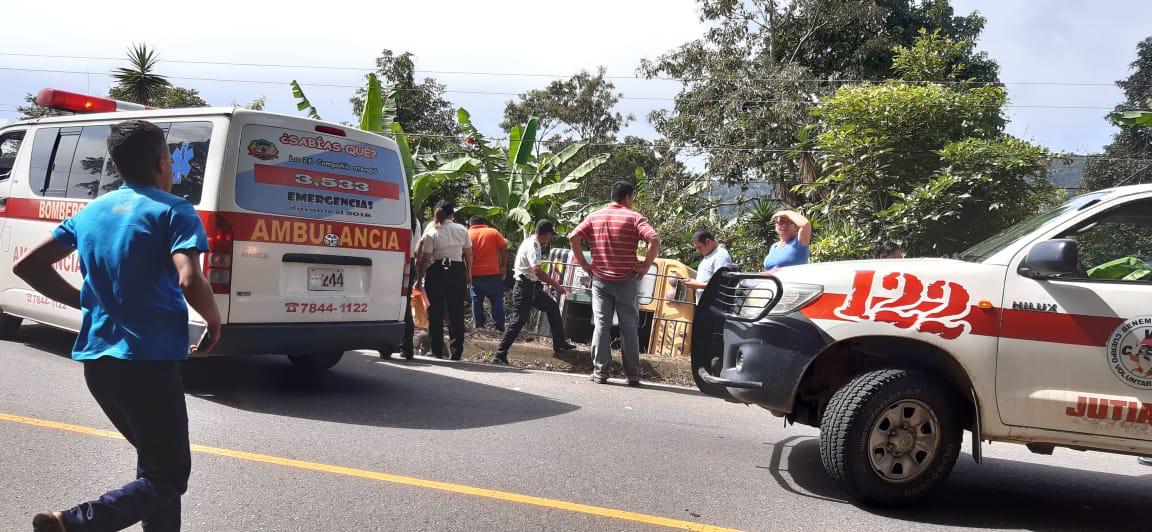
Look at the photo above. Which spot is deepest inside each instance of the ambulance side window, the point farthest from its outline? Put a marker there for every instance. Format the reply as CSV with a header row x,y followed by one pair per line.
x,y
88,163
188,144
9,146
57,182
43,146
1117,245
110,179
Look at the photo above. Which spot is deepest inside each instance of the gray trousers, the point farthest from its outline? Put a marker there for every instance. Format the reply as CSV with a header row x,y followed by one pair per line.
x,y
619,298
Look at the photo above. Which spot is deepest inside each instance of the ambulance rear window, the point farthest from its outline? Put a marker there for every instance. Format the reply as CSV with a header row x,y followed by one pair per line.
x,y
315,175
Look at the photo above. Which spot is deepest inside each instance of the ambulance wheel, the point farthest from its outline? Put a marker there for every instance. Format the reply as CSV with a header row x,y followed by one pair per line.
x,y
9,324
315,363
890,437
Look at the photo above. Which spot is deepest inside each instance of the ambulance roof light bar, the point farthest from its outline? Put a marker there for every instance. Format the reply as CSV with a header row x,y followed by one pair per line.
x,y
62,100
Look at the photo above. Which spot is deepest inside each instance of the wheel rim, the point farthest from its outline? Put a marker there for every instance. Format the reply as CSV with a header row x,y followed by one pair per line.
x,y
903,441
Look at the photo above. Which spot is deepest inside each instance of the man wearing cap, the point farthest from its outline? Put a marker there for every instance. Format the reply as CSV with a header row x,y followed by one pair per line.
x,y
529,293
614,233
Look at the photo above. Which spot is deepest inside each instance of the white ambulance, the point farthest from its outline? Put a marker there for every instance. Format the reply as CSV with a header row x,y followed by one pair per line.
x,y
308,222
1041,335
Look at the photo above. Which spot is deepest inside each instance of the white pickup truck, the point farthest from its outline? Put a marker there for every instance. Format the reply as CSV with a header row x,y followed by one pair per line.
x,y
1040,335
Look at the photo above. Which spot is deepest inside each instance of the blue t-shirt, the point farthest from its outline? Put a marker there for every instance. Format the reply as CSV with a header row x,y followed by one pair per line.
x,y
131,301
719,258
790,254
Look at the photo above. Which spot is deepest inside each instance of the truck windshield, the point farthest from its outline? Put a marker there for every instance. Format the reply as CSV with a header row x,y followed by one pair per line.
x,y
991,246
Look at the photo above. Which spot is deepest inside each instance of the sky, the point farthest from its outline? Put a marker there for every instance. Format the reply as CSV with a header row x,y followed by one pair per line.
x,y
487,52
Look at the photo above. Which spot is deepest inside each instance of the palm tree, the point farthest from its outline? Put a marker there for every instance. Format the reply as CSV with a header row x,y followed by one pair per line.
x,y
138,82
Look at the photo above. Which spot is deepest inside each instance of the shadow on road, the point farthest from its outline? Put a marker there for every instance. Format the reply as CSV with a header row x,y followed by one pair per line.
x,y
995,494
358,391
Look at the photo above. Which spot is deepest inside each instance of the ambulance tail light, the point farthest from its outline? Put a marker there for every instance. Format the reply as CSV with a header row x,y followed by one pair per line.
x,y
218,260
331,131
82,103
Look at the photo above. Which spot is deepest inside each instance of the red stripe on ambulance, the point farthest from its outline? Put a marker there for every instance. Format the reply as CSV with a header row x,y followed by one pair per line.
x,y
248,227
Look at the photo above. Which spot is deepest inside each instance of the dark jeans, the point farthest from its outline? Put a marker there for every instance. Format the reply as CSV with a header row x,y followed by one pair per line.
x,y
489,287
145,401
409,327
446,292
526,295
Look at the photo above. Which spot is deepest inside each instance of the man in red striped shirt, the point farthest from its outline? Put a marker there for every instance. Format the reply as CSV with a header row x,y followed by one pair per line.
x,y
614,233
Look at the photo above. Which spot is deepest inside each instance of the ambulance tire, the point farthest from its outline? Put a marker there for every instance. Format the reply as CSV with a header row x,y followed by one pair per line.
x,y
890,437
315,363
9,324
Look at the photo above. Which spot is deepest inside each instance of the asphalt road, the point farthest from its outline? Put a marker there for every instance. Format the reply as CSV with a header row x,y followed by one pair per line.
x,y
432,445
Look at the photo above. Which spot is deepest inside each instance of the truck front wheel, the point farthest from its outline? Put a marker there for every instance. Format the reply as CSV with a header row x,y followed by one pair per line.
x,y
891,436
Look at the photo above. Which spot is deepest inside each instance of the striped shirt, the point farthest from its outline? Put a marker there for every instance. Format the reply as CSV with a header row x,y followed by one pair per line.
x,y
614,233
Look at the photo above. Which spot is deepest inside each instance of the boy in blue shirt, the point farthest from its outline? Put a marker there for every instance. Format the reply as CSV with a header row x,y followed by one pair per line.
x,y
139,249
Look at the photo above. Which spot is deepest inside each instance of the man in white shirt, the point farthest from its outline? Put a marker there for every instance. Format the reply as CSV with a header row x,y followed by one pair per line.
x,y
715,257
529,293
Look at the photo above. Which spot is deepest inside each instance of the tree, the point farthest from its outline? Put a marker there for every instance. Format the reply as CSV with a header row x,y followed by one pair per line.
x,y
749,84
579,108
168,97
139,82
255,105
421,107
582,109
31,109
513,186
1128,158
920,163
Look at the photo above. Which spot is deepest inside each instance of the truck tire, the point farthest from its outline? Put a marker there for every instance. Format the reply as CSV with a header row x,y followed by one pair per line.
x,y
9,324
889,437
315,363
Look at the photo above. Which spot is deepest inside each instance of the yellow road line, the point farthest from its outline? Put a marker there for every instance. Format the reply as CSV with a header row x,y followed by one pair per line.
x,y
395,479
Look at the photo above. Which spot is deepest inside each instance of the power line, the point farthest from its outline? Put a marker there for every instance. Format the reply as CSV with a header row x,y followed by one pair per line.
x,y
560,76
705,148
516,94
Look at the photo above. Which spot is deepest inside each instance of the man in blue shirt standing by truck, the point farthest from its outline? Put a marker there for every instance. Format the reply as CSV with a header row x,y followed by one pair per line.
x,y
139,249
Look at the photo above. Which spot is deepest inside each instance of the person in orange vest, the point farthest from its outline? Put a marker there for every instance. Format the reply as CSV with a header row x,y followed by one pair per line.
x,y
489,252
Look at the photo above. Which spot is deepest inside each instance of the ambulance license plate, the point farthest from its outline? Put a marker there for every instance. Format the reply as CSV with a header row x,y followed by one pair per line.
x,y
325,279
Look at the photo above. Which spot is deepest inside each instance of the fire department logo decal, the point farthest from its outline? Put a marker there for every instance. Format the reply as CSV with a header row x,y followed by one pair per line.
x,y
1129,352
263,150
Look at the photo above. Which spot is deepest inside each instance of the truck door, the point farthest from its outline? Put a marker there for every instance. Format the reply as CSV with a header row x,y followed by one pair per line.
x,y
1076,353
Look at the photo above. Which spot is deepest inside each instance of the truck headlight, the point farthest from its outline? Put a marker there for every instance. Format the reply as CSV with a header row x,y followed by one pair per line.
x,y
755,294
797,296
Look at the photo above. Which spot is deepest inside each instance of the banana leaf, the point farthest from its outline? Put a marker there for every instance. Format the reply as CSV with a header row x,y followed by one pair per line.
x,y
302,101
405,152
586,167
371,117
527,142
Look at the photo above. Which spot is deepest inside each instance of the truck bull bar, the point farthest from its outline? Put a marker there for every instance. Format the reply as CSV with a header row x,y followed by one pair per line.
x,y
724,299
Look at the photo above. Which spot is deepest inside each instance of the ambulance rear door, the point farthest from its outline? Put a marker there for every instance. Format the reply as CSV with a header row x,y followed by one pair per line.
x,y
320,220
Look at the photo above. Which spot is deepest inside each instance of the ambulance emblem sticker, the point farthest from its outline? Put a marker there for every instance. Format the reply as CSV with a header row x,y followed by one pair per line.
x,y
1129,352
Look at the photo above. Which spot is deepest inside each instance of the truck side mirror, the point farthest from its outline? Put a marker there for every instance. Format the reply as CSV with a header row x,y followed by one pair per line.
x,y
1051,259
